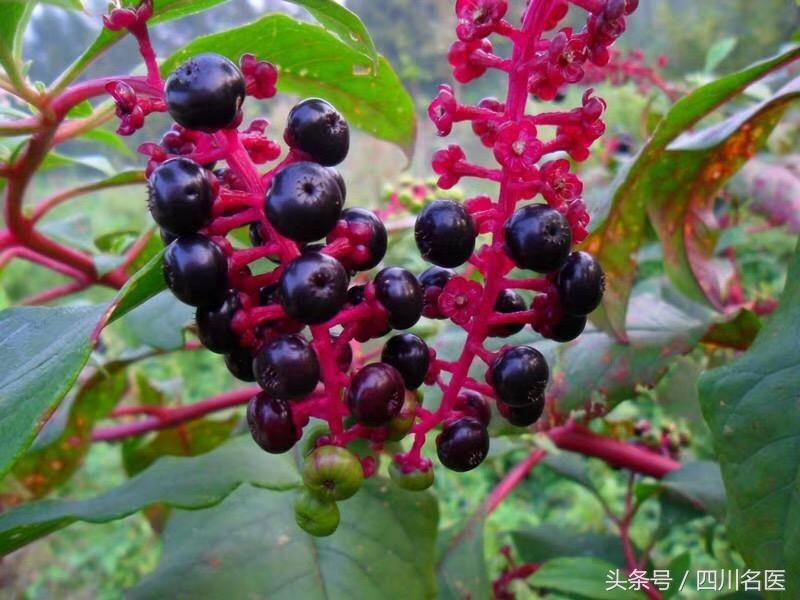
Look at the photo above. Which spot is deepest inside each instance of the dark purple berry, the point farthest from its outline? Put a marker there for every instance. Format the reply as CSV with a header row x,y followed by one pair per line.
x,y
508,301
205,93
474,405
581,283
568,328
304,202
523,416
433,281
214,325
340,181
240,364
196,270
167,236
180,197
317,129
376,395
287,368
463,445
271,424
400,294
519,375
445,233
410,356
313,288
366,234
538,238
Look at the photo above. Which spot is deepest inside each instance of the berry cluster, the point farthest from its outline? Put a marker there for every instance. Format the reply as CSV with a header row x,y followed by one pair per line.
x,y
529,236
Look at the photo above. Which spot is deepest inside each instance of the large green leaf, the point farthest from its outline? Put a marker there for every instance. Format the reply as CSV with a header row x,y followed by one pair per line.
x,y
44,350
696,166
461,565
314,62
546,542
751,407
14,16
344,23
581,578
196,482
619,239
249,547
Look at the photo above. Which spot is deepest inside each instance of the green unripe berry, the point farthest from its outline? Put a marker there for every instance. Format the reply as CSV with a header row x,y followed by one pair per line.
x,y
333,473
414,481
310,441
399,427
315,516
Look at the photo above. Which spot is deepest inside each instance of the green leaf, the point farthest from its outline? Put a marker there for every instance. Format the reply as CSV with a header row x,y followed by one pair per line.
x,y
164,11
68,4
751,407
580,577
314,62
718,52
344,23
547,542
617,242
159,322
737,333
55,458
700,484
249,546
194,483
55,160
44,350
461,566
14,17
107,138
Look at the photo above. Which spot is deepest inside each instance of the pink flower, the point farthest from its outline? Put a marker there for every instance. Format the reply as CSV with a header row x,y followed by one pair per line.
x,y
518,147
487,128
445,164
578,217
566,56
442,110
478,18
459,300
559,185
261,77
463,58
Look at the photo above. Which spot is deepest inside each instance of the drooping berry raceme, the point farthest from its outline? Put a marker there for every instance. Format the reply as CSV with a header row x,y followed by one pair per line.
x,y
534,223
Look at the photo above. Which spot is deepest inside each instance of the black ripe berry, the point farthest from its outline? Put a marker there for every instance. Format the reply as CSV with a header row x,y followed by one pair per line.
x,y
180,197
463,445
196,270
271,424
410,356
538,238
376,395
445,233
313,288
522,416
214,325
519,375
317,129
304,202
367,236
287,368
240,364
205,93
474,405
400,294
568,328
581,283
508,301
167,236
433,281
340,181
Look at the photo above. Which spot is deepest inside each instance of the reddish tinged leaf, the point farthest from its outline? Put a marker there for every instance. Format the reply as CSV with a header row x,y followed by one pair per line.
x,y
737,333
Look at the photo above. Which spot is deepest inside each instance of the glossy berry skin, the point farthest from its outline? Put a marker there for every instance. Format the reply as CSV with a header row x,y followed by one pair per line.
x,y
339,181
313,288
271,424
315,516
538,238
433,281
317,129
581,284
304,202
240,364
463,445
522,416
474,405
568,328
180,196
519,375
375,395
400,294
410,356
401,425
445,233
287,368
214,325
167,236
332,473
508,302
367,235
205,93
196,270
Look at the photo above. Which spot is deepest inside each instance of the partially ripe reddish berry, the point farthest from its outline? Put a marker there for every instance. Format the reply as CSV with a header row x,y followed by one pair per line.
x,y
376,394
271,424
463,445
474,405
414,480
433,281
